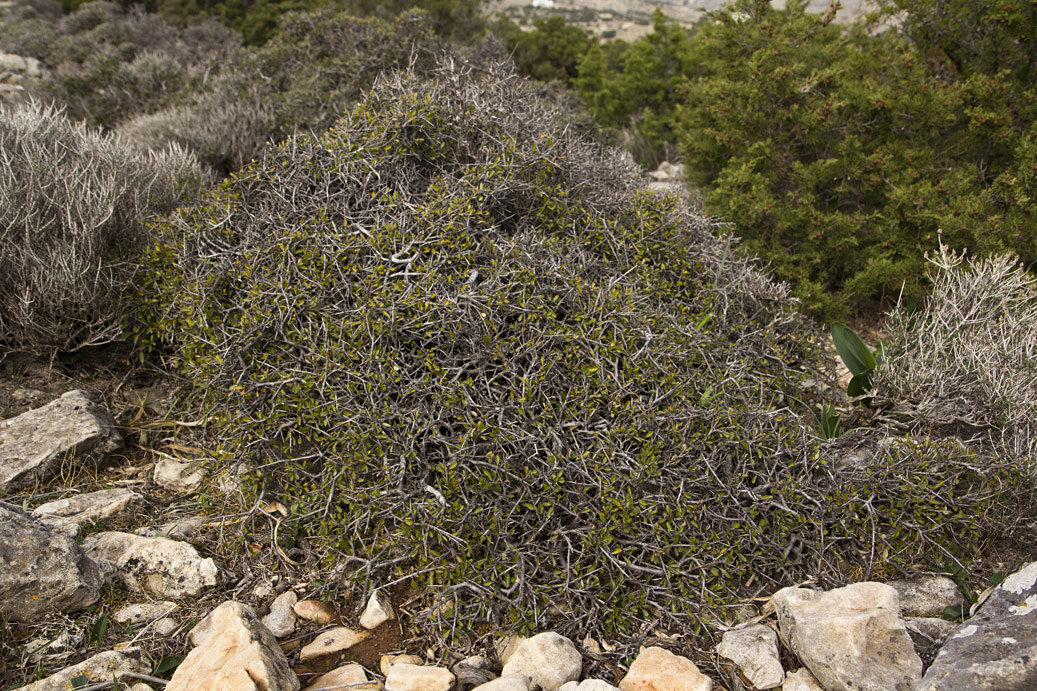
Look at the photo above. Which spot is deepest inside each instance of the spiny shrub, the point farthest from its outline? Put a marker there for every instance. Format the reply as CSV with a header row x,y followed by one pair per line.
x,y
466,345
969,357
72,202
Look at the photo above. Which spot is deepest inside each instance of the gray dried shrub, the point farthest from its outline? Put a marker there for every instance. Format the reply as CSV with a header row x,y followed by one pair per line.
x,y
312,71
466,345
967,362
72,208
108,64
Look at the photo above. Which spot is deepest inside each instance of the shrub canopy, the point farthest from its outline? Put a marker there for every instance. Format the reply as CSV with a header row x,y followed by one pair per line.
x,y
465,345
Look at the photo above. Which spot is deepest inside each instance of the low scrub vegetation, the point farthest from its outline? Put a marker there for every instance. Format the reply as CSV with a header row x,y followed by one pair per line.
x,y
466,346
73,203
967,361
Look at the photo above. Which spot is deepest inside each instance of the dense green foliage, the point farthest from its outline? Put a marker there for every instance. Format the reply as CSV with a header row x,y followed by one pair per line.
x,y
551,51
466,345
839,155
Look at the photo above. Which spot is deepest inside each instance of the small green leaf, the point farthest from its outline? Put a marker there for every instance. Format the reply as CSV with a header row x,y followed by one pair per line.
x,y
98,629
80,681
854,352
168,663
859,385
831,424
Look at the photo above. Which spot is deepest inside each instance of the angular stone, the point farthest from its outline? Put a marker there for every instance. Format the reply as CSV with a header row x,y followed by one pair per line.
x,y
801,680
378,611
926,596
179,476
154,565
34,444
318,612
353,675
405,677
927,633
165,626
657,669
995,649
754,652
548,659
90,507
326,649
469,676
506,682
239,655
588,685
851,637
507,645
97,669
42,571
281,620
387,661
143,612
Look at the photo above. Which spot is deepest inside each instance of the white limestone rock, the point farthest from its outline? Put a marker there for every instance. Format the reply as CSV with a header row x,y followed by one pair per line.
x,y
143,612
71,429
153,565
801,680
281,620
324,652
850,638
90,507
926,596
548,659
42,571
754,652
506,682
179,476
407,677
378,611
97,669
588,685
351,677
657,669
996,648
238,654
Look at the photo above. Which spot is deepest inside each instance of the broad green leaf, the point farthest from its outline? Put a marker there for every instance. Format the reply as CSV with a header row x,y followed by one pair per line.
x,y
854,352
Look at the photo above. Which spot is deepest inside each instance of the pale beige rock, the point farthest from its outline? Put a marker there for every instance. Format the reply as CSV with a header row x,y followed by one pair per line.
x,y
281,620
801,680
332,643
407,677
47,648
657,669
165,626
506,682
851,638
318,612
239,654
387,661
591,646
90,507
141,686
926,596
70,429
548,659
754,652
181,529
97,669
587,685
142,612
179,476
506,647
478,662
42,571
378,611
351,675
154,565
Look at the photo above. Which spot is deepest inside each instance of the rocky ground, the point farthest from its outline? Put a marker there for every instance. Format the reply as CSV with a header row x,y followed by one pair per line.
x,y
129,562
